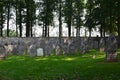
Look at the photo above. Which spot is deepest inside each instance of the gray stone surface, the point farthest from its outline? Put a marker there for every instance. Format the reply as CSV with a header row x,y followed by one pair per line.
x,y
75,45
15,50
102,45
21,47
32,50
57,49
40,52
18,46
2,50
111,48
84,46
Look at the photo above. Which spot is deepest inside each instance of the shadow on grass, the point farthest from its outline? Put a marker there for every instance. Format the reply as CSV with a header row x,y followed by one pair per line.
x,y
71,67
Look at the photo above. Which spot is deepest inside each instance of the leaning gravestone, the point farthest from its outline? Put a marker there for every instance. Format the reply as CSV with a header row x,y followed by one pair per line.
x,y
111,49
40,52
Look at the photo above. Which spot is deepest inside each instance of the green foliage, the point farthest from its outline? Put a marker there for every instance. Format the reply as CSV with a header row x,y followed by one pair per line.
x,y
72,67
11,32
103,14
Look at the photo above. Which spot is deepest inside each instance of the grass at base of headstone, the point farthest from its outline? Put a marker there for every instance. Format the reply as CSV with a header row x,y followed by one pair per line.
x,y
71,67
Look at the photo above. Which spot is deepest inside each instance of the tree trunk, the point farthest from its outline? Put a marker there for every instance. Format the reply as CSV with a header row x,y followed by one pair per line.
x,y
27,18
101,30
16,21
110,22
31,30
8,19
78,32
90,30
69,18
27,25
43,32
60,22
48,32
69,29
1,25
20,20
45,29
118,25
118,19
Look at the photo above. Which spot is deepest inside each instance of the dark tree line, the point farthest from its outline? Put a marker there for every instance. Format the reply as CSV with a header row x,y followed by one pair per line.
x,y
102,14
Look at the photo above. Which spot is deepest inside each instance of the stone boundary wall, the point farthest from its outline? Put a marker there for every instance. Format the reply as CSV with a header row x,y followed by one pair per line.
x,y
20,46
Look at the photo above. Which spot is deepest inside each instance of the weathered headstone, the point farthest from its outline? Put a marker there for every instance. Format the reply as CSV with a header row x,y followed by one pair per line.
x,y
57,50
40,52
111,49
2,52
65,46
9,48
21,47
32,51
84,46
102,45
15,50
95,45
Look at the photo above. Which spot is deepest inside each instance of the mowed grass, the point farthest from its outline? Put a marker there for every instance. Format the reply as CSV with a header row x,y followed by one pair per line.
x,y
89,66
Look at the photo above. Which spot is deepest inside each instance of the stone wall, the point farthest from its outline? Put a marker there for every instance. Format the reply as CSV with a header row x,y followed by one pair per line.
x,y
21,46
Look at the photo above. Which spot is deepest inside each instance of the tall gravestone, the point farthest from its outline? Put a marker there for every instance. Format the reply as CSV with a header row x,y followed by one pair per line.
x,y
57,50
65,46
102,45
111,49
21,47
32,50
84,46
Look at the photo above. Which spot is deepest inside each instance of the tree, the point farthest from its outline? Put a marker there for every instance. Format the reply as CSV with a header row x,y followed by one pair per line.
x,y
46,15
89,20
2,17
30,16
68,12
78,14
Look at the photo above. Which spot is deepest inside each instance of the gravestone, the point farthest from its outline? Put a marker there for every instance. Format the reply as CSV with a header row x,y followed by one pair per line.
x,y
32,51
102,45
15,50
75,45
40,52
2,52
84,47
95,45
9,49
21,47
111,49
65,46
57,50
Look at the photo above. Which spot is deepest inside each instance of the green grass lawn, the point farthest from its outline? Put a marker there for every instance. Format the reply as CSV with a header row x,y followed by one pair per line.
x,y
72,67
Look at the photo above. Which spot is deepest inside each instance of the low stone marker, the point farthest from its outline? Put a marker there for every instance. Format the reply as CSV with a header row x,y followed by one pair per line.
x,y
40,52
111,49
